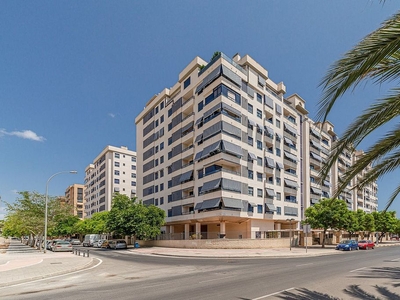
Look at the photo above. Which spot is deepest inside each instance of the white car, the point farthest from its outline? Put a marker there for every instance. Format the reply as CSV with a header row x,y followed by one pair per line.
x,y
97,244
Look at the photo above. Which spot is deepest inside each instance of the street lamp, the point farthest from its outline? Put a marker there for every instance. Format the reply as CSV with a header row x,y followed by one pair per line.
x,y
290,233
45,209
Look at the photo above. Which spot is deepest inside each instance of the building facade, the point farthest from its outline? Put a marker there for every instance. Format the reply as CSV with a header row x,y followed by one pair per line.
x,y
225,154
74,197
112,171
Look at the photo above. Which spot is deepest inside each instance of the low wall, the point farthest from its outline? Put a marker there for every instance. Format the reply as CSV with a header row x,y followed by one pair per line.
x,y
221,243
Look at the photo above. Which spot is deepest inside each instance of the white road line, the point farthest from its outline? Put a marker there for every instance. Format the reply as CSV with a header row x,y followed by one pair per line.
x,y
304,264
5,263
358,269
273,294
397,259
51,277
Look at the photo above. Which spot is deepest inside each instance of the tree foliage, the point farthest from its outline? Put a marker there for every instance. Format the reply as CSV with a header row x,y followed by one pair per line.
x,y
327,214
96,224
385,222
130,217
375,57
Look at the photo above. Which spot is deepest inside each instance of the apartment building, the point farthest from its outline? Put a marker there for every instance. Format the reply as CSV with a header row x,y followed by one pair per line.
x,y
225,154
112,171
74,197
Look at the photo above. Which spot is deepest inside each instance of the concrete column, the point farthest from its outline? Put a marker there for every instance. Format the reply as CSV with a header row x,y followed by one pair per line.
x,y
278,226
198,230
222,229
186,231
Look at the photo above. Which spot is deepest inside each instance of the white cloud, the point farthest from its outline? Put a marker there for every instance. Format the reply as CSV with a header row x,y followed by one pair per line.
x,y
25,134
112,115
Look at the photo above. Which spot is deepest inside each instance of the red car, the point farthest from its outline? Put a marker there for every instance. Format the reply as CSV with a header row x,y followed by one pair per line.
x,y
366,244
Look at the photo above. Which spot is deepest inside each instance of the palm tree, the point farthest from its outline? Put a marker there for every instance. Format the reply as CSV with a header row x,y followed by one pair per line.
x,y
377,58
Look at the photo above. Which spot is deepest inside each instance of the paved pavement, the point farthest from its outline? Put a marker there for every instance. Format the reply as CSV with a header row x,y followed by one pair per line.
x,y
20,263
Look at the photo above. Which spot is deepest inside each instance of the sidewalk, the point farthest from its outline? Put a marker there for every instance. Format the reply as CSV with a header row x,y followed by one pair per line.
x,y
21,263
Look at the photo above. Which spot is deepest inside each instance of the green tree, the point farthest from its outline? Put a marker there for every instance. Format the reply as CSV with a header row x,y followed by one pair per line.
x,y
65,225
369,224
351,223
96,224
385,222
130,217
327,214
375,57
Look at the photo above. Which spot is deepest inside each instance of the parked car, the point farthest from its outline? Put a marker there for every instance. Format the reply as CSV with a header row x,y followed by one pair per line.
x,y
75,242
60,246
105,244
366,244
347,245
117,244
51,243
97,244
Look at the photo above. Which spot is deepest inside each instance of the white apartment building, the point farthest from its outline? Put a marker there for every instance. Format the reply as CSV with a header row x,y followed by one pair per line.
x,y
225,154
112,171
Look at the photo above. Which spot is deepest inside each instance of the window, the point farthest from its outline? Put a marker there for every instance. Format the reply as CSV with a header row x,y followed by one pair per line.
x,y
116,172
312,179
270,180
155,175
156,110
156,202
156,162
156,189
169,112
169,126
186,83
270,149
259,209
116,181
162,119
259,161
250,140
156,123
133,167
161,200
250,108
278,123
278,180
161,173
161,146
290,171
134,158
290,198
270,120
278,210
156,149
325,141
161,159
259,98
250,174
259,145
116,155
161,105
259,193
200,106
133,175
278,152
161,187
259,176
259,113
278,196
116,164
250,191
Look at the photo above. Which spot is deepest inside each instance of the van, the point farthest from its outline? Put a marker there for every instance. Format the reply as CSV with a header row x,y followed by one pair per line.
x,y
90,239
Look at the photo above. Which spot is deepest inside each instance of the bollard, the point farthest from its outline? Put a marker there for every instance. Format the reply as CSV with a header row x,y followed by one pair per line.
x,y
79,252
83,253
88,253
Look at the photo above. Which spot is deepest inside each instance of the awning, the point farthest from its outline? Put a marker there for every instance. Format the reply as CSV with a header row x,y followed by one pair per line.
x,y
291,183
252,156
231,109
270,207
252,204
260,126
315,132
268,130
232,148
232,203
199,138
291,129
270,192
348,200
232,76
316,156
269,162
199,121
212,203
198,205
211,185
290,156
279,165
133,191
231,185
211,148
279,135
116,189
186,176
252,123
212,110
327,183
316,191
209,79
315,144
198,155
314,201
288,141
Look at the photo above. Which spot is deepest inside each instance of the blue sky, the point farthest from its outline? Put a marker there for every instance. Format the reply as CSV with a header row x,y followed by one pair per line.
x,y
75,74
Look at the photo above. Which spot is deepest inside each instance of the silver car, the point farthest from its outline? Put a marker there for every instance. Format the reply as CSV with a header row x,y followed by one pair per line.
x,y
61,246
117,244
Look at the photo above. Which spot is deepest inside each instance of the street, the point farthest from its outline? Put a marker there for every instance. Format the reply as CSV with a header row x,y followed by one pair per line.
x,y
125,275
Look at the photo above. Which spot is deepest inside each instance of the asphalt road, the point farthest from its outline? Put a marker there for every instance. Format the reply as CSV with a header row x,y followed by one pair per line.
x,y
373,274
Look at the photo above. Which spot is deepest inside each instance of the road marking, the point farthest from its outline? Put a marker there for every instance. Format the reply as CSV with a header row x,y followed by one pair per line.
x,y
358,269
304,264
273,294
5,263
397,259
56,276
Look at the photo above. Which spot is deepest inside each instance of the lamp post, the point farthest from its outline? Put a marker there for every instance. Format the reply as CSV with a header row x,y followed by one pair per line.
x,y
290,233
45,209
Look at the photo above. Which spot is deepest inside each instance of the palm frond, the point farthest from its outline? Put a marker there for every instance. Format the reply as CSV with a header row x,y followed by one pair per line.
x,y
392,197
361,62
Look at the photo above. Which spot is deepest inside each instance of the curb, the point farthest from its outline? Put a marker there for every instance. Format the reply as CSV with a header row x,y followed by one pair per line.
x,y
25,280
